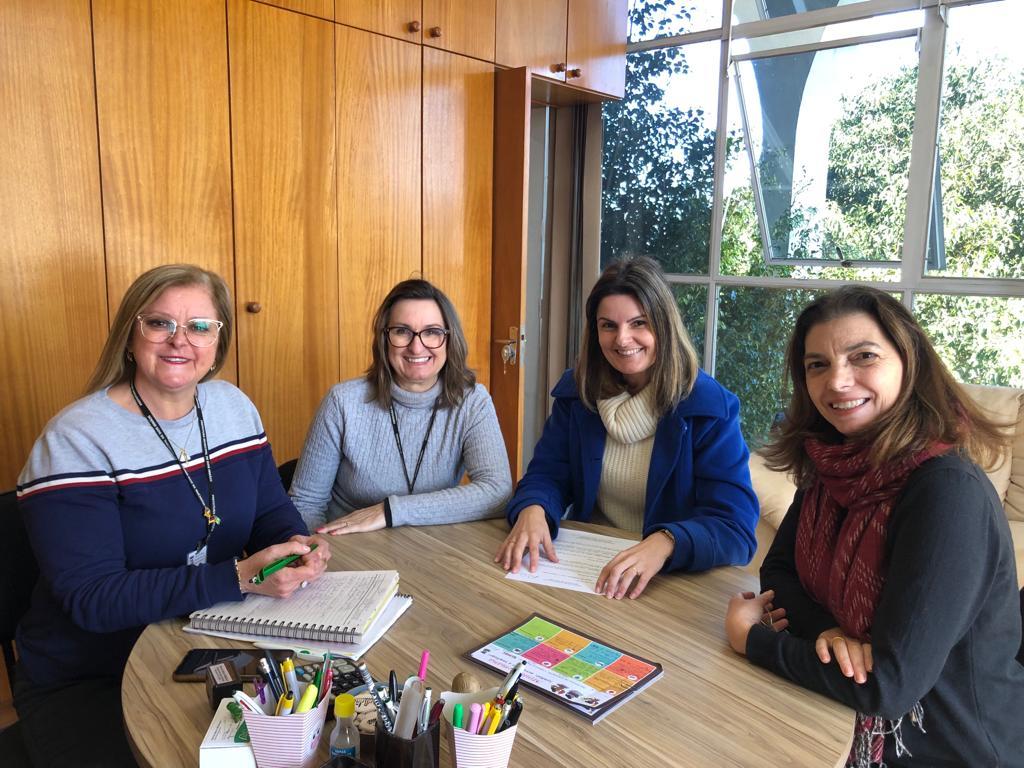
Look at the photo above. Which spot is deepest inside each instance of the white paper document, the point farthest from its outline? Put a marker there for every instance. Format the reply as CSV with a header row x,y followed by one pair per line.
x,y
581,556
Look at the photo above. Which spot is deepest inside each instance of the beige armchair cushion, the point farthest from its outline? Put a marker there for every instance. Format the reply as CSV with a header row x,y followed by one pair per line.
x,y
1006,404
774,491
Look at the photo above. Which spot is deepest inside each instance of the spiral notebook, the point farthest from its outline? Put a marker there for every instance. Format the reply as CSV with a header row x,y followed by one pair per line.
x,y
339,607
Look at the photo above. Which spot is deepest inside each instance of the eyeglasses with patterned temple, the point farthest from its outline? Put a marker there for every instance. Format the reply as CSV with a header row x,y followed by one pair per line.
x,y
200,331
401,336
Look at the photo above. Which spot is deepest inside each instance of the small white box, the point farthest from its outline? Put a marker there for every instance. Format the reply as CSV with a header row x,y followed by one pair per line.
x,y
219,748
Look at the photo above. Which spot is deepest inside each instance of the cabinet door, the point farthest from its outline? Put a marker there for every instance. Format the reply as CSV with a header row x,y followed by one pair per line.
x,y
162,99
458,145
379,221
323,9
460,26
283,134
596,49
398,18
53,308
531,33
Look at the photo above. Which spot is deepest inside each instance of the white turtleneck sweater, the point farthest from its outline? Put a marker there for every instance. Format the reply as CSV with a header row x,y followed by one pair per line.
x,y
630,422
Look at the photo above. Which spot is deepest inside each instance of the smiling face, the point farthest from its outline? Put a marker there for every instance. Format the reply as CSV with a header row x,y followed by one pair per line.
x,y
416,367
170,370
854,373
626,339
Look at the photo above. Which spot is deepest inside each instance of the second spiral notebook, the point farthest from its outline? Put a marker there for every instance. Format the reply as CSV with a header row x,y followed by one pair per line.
x,y
337,608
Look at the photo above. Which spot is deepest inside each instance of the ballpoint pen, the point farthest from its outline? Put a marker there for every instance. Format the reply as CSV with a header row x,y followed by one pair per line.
x,y
264,573
285,704
371,687
393,687
513,677
268,671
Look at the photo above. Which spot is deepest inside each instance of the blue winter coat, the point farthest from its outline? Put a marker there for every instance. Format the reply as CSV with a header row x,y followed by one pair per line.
x,y
698,485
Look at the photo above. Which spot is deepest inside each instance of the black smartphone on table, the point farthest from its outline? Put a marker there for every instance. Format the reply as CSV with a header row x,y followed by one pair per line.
x,y
195,662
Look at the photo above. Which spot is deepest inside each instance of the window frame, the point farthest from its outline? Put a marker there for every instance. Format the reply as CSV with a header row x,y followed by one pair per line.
x,y
912,279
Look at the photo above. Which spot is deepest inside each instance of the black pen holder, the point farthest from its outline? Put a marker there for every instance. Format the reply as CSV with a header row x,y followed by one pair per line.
x,y
421,751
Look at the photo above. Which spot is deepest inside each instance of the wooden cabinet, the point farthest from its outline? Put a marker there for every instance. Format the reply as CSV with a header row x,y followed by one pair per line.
x,y
580,42
460,26
323,9
162,103
53,308
283,147
458,144
379,169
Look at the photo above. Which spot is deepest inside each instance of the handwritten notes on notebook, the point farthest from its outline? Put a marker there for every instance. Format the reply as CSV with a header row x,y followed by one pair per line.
x,y
581,556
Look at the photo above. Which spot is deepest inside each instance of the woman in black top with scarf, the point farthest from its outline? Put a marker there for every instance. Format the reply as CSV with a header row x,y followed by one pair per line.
x,y
893,571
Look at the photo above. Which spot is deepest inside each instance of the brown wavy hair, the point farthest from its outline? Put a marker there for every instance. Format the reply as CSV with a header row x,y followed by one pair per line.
x,y
931,407
114,366
456,378
674,371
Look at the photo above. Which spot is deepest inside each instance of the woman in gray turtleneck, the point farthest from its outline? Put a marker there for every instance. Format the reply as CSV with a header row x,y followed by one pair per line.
x,y
391,448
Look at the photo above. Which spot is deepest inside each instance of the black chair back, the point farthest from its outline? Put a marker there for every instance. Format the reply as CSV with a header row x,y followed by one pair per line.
x,y
287,472
18,574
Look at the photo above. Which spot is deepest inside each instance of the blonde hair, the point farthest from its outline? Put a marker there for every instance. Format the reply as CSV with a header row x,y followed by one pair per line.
x,y
931,407
674,370
114,365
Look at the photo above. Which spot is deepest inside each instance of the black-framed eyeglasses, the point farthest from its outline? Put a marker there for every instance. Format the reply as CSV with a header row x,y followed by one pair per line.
x,y
199,331
431,338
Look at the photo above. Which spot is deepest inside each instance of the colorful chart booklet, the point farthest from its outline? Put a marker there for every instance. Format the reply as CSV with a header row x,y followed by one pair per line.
x,y
586,675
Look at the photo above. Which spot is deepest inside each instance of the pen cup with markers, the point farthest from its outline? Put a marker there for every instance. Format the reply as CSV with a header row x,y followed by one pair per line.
x,y
287,741
421,751
472,750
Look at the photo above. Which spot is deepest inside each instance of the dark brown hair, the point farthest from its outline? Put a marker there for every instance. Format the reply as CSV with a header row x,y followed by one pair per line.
x,y
456,378
931,407
675,366
114,366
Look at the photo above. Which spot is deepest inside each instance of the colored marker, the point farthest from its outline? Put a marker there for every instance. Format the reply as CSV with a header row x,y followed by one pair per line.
x,y
474,717
308,699
264,573
485,712
457,716
288,671
285,704
492,726
424,660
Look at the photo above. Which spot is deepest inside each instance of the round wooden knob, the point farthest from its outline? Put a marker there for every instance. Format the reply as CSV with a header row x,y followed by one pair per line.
x,y
253,307
575,72
559,67
435,31
414,26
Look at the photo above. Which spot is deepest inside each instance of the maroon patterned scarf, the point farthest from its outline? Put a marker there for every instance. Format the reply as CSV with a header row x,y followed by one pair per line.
x,y
841,549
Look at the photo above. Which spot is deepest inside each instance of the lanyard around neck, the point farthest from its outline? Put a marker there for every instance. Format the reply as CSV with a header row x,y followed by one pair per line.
x,y
398,441
209,510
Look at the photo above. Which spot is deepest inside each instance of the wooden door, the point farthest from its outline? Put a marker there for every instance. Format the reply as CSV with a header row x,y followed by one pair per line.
x,y
596,48
379,221
508,294
283,152
460,26
162,96
397,18
458,112
323,9
53,308
532,33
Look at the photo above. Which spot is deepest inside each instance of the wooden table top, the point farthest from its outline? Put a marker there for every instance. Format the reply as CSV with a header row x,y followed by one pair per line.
x,y
710,707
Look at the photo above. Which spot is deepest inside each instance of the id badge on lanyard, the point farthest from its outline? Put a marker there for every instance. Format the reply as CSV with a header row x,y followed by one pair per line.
x,y
198,557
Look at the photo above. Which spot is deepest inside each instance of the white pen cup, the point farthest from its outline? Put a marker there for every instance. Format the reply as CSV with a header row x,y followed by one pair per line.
x,y
472,750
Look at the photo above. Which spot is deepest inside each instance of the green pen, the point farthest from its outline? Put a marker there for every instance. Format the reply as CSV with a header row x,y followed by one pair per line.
x,y
277,565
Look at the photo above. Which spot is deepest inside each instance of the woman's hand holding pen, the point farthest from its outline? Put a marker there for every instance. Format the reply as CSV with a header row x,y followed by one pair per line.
x,y
747,609
360,521
310,565
530,533
853,657
634,566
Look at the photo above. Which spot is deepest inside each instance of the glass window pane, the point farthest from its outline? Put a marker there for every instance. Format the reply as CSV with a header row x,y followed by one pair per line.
x,y
658,168
980,338
981,145
650,19
828,136
693,306
874,25
759,10
754,325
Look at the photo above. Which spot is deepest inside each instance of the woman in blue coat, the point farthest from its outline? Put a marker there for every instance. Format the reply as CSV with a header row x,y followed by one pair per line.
x,y
639,438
